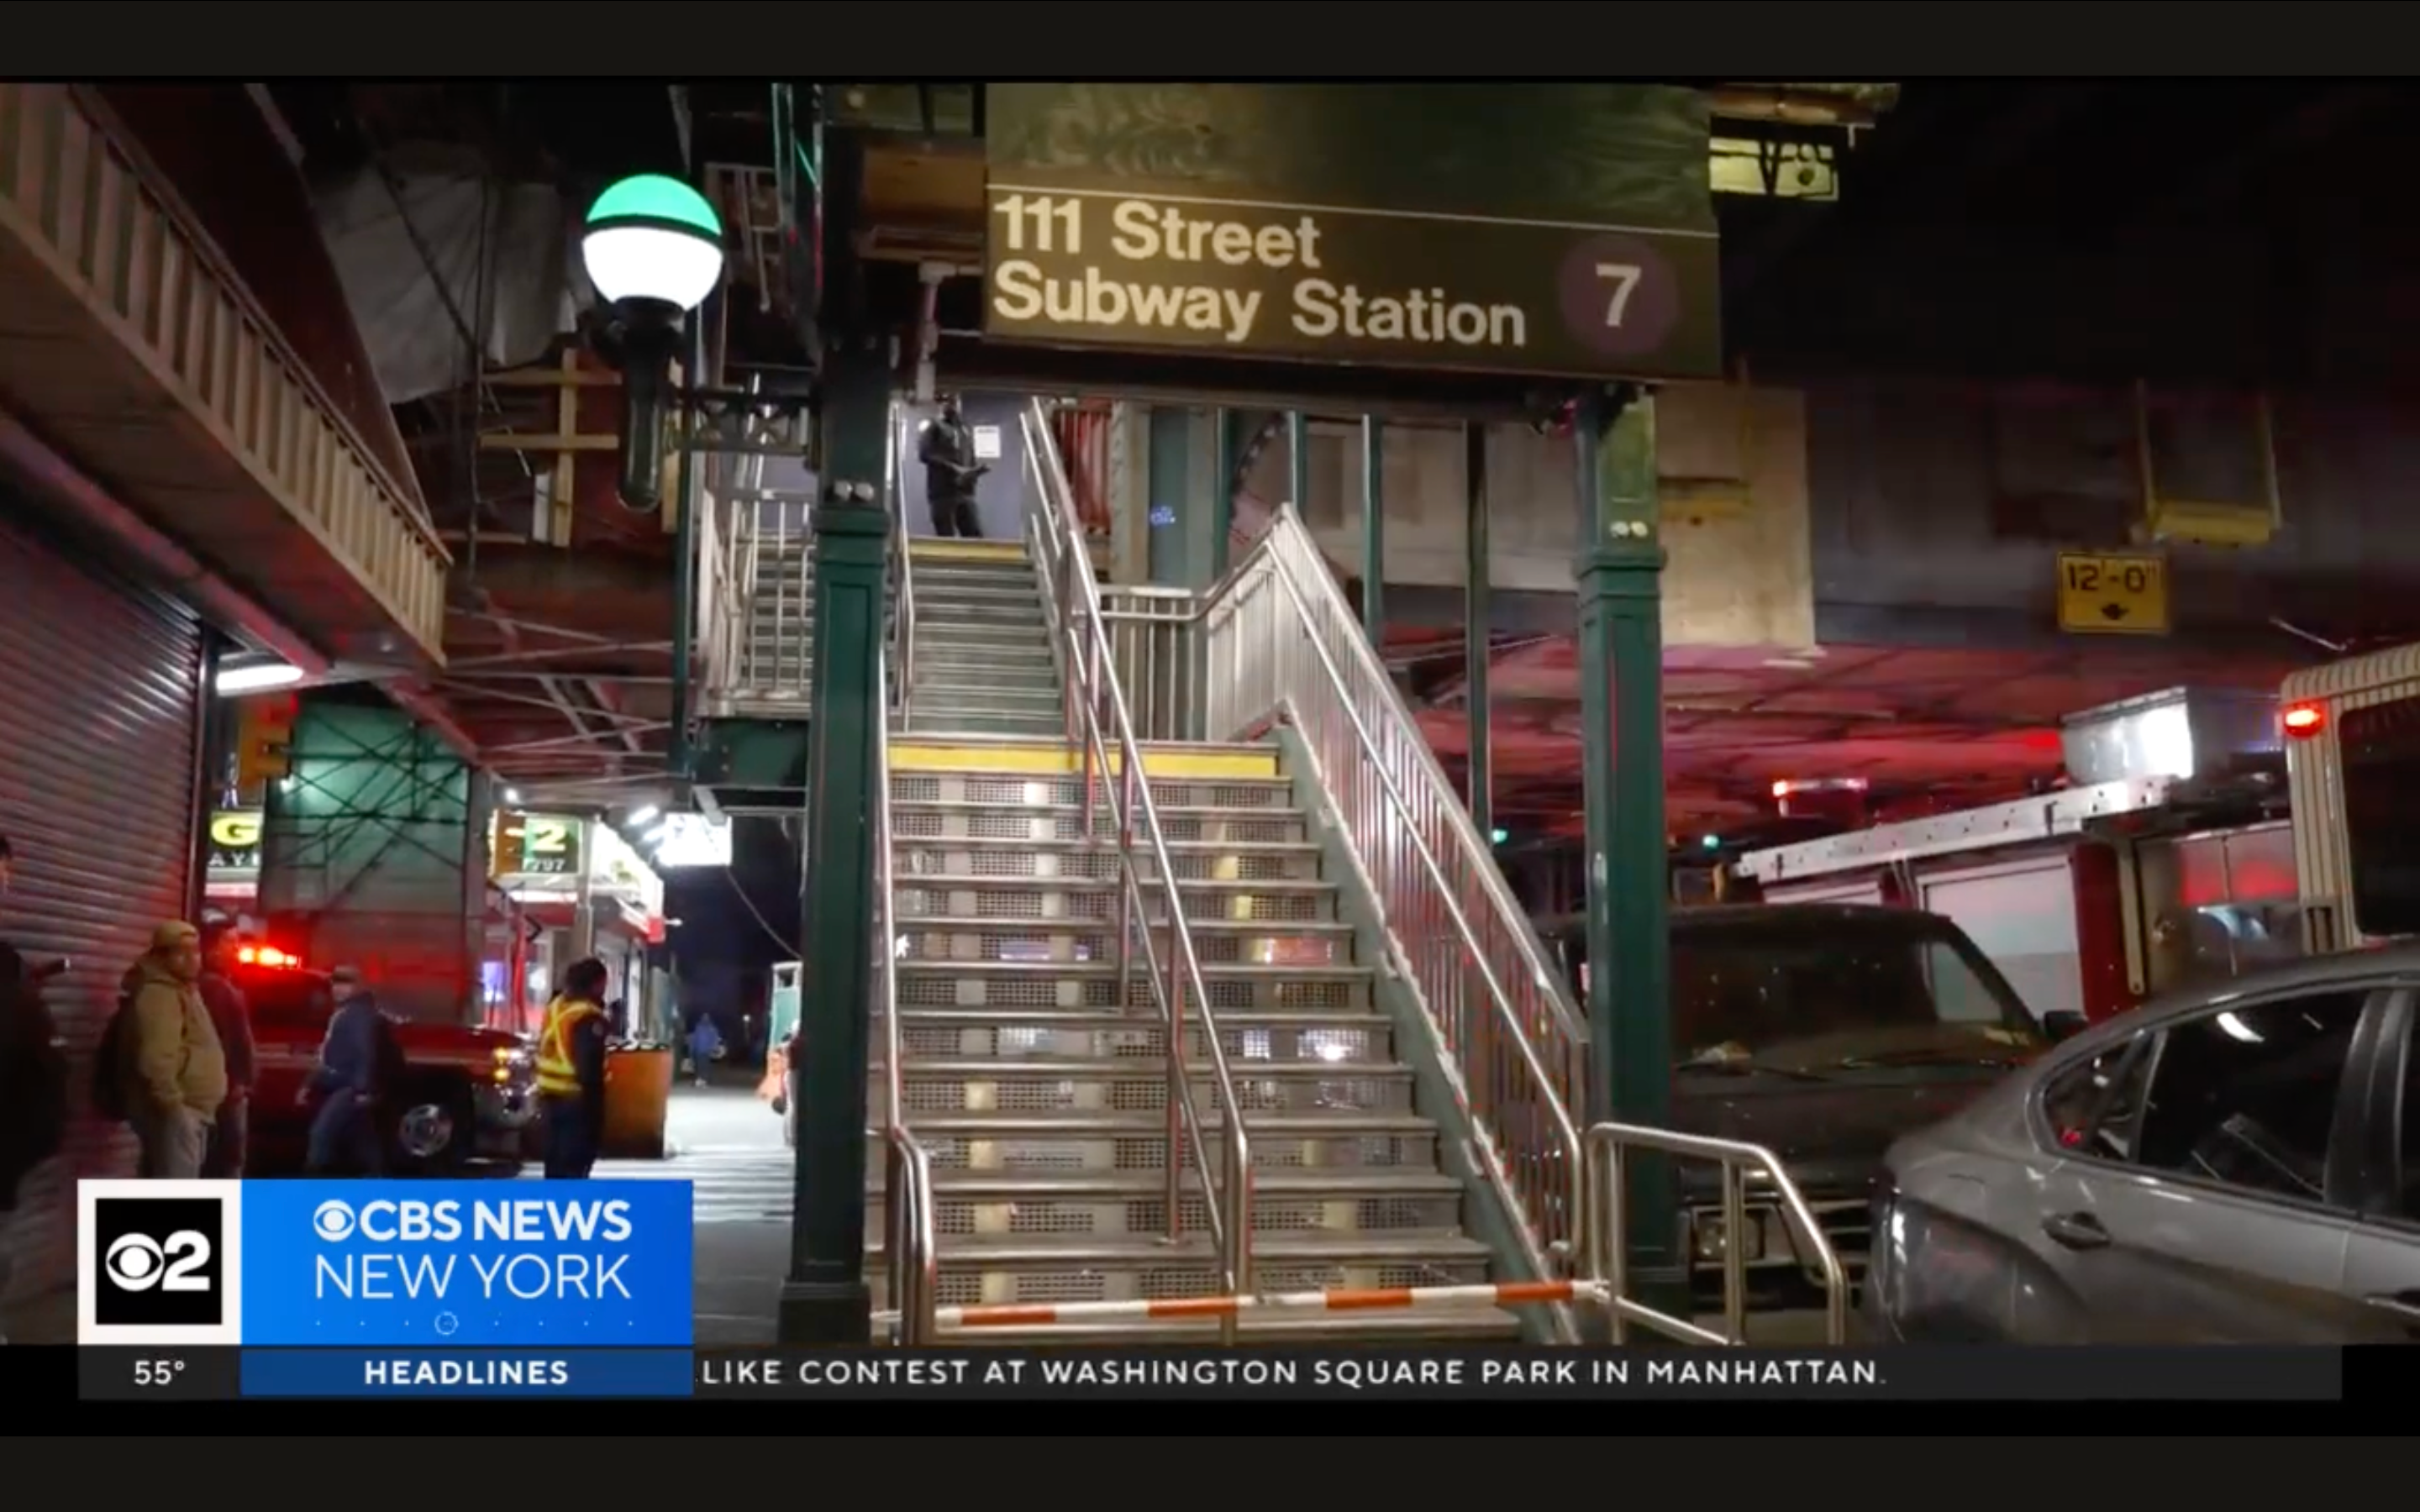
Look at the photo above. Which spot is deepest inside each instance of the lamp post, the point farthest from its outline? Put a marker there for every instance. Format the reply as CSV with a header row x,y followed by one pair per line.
x,y
653,247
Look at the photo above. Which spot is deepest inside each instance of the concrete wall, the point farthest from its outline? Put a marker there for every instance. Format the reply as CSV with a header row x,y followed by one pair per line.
x,y
1955,499
1740,572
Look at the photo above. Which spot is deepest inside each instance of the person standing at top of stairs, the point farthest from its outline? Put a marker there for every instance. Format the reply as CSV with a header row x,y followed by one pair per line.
x,y
947,448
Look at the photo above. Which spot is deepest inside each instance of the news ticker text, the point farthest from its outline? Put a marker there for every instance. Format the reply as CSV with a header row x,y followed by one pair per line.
x,y
1971,1373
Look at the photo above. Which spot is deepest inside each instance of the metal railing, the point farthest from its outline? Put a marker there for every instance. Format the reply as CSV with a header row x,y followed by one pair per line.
x,y
903,562
1607,1254
1281,642
909,1253
1155,645
1097,715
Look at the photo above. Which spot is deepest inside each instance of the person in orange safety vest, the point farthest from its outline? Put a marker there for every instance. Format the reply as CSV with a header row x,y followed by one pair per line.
x,y
571,1071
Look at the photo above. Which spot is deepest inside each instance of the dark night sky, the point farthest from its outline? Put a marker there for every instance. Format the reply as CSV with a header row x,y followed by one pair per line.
x,y
723,952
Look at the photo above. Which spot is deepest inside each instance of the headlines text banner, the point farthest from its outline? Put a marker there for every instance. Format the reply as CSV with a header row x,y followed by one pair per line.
x,y
2257,1373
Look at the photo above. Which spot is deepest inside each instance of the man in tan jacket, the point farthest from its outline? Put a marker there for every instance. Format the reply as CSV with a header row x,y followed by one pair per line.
x,y
174,1073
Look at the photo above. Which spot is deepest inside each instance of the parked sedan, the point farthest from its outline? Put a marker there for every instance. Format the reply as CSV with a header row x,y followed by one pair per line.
x,y
2236,1165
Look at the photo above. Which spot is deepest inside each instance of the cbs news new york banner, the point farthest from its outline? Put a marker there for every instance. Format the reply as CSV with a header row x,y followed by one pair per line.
x,y
198,1290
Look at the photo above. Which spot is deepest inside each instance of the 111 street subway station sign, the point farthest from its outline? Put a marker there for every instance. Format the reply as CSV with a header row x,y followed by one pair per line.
x,y
1550,229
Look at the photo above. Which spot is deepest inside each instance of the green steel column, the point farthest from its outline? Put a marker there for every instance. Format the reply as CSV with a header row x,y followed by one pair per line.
x,y
825,1301
687,496
1477,619
1222,490
1620,574
1374,531
1298,461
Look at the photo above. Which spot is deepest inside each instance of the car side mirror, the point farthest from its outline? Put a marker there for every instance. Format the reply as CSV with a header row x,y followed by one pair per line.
x,y
2064,1023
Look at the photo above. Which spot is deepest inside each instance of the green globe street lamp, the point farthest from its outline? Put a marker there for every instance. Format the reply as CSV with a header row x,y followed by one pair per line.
x,y
653,248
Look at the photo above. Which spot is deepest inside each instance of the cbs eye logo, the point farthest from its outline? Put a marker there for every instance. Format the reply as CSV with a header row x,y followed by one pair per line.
x,y
332,1221
157,1260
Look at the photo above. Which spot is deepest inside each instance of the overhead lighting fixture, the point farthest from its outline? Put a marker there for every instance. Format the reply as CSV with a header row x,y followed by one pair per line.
x,y
652,239
644,812
512,795
653,247
236,680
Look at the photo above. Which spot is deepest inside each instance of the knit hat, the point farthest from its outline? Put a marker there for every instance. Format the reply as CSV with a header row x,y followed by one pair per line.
x,y
175,935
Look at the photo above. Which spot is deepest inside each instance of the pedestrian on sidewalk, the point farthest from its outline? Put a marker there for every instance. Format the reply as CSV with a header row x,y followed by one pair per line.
x,y
231,1016
359,1061
33,1091
172,1072
704,1043
571,1073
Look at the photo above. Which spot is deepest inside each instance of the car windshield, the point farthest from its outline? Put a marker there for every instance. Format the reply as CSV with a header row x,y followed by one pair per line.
x,y
1839,998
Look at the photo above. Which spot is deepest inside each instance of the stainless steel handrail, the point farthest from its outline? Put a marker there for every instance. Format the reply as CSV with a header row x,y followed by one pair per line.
x,y
1608,1254
1539,1228
908,1250
894,463
1073,594
1286,526
911,1251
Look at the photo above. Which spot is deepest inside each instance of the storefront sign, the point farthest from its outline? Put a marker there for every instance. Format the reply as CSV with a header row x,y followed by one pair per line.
x,y
537,844
235,840
616,870
1409,227
694,839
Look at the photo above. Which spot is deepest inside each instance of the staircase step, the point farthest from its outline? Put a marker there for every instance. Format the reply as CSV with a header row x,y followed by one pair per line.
x,y
1022,592
1017,984
945,723
1303,1089
1252,1037
1103,1143
977,1271
1193,860
1028,899
974,696
1178,823
1006,791
977,1206
1471,1325
1222,941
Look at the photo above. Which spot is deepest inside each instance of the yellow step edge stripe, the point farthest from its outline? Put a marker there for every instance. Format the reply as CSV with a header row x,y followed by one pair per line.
x,y
1058,759
969,550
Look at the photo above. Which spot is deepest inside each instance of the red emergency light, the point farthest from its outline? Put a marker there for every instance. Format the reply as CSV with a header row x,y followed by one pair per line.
x,y
2302,720
268,955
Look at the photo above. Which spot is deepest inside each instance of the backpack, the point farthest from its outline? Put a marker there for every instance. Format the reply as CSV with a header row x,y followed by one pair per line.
x,y
109,1064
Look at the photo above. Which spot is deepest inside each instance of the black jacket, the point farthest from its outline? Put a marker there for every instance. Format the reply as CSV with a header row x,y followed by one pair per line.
x,y
33,1078
948,452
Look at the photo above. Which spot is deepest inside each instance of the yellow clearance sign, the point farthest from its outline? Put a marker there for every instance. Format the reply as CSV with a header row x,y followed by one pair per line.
x,y
2113,593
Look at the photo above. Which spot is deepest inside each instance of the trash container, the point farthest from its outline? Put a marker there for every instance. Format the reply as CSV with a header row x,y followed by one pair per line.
x,y
638,1093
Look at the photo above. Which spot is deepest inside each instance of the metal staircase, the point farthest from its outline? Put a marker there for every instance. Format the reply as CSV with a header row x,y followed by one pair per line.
x,y
1041,1099
979,662
1094,981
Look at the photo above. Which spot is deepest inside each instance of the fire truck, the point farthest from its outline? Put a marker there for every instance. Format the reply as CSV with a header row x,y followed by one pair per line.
x,y
2201,834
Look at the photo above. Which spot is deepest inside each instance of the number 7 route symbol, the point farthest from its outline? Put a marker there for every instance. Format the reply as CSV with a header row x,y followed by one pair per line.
x,y
1624,278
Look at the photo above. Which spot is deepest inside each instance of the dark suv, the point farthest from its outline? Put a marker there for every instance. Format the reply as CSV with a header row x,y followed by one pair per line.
x,y
1824,1032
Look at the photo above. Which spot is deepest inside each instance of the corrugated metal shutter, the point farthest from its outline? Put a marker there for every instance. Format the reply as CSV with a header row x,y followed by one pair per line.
x,y
100,692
